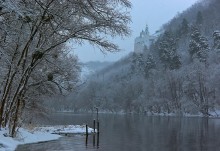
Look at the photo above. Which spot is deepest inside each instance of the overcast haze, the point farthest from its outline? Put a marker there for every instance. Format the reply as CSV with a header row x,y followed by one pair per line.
x,y
155,13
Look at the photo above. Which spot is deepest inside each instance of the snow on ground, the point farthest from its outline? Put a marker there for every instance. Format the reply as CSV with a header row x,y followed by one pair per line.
x,y
212,114
75,129
38,134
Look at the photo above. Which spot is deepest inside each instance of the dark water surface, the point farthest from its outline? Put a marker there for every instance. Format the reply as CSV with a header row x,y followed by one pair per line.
x,y
136,133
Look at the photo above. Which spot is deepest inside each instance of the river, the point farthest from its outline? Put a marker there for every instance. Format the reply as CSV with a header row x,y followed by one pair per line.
x,y
135,133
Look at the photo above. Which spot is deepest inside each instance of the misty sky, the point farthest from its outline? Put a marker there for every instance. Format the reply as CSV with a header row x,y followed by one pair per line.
x,y
155,13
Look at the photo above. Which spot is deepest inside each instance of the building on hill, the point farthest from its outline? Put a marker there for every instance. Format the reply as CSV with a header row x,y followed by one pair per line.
x,y
144,41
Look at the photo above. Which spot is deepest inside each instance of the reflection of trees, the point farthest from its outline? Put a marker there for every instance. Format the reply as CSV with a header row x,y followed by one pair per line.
x,y
141,133
178,134
204,135
195,136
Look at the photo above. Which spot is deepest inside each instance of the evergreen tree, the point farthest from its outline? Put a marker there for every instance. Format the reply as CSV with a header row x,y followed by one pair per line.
x,y
184,27
137,65
149,64
216,37
199,18
168,51
198,46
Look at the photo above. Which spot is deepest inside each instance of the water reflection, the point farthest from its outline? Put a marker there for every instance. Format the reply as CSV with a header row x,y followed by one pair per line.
x,y
138,133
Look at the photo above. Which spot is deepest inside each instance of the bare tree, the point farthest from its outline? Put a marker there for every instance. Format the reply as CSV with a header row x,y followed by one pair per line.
x,y
32,30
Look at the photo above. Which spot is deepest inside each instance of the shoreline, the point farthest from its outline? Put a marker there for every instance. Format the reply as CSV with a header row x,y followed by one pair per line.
x,y
213,114
37,135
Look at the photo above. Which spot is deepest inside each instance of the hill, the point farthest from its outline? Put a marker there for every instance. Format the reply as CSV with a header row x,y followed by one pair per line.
x,y
179,74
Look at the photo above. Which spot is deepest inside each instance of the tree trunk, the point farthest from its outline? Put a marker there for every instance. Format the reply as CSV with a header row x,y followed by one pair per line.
x,y
15,121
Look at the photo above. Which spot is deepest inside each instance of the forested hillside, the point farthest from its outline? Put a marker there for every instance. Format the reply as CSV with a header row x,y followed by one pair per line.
x,y
179,74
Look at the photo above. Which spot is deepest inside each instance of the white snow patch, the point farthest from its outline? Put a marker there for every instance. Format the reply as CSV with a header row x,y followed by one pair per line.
x,y
38,134
74,129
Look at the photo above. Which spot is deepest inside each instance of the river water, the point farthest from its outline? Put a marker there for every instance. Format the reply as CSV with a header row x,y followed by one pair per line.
x,y
135,133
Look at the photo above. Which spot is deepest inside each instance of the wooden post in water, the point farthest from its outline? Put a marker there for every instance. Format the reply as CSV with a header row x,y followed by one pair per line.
x,y
98,140
86,140
93,139
97,118
87,133
94,125
97,126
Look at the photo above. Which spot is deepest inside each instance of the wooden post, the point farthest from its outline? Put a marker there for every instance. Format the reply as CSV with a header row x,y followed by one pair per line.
x,y
94,125
86,140
98,134
87,133
97,126
98,140
94,139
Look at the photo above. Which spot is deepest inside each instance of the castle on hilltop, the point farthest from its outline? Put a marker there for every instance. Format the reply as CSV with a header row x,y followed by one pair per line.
x,y
144,41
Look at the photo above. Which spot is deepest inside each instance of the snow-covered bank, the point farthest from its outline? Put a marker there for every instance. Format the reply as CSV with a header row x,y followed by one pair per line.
x,y
38,134
74,129
212,114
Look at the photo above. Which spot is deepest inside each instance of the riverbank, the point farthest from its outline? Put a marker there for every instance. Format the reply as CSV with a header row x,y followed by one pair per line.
x,y
211,114
37,134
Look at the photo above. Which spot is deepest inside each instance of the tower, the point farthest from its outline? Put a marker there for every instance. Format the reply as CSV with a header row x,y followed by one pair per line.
x,y
147,30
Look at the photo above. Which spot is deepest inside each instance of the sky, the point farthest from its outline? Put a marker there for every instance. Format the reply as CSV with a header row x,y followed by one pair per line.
x,y
154,13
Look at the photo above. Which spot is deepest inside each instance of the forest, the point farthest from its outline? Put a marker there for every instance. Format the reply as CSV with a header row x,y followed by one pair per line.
x,y
179,74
